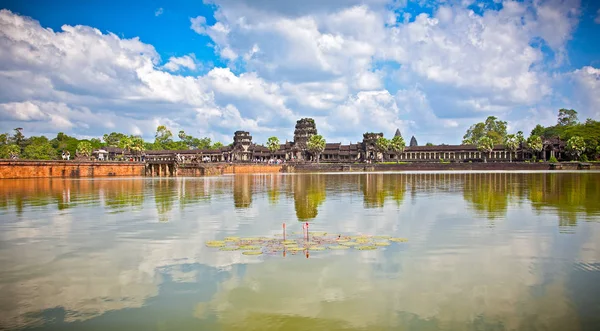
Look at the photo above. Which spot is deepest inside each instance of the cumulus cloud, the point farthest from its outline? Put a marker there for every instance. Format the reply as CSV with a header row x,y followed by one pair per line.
x,y
597,19
354,66
177,63
158,12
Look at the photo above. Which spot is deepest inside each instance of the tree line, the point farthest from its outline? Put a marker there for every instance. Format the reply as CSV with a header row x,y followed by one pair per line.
x,y
16,145
582,139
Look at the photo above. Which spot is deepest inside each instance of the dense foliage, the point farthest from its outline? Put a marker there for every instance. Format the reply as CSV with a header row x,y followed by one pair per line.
x,y
41,148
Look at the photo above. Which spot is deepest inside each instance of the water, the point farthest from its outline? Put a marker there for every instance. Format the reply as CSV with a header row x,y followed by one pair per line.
x,y
486,251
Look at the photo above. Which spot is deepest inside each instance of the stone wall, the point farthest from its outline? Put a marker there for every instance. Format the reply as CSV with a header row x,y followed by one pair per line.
x,y
252,169
359,167
68,169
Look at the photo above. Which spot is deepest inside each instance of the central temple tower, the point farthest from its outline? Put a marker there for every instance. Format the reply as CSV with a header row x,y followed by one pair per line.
x,y
305,128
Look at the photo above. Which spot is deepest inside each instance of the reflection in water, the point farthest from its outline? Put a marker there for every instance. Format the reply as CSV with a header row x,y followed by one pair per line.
x,y
96,254
309,194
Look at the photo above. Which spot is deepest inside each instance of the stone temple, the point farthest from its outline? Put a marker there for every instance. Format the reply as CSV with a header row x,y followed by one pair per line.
x,y
244,150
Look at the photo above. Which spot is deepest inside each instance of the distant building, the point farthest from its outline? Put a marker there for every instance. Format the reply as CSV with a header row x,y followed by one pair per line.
x,y
244,150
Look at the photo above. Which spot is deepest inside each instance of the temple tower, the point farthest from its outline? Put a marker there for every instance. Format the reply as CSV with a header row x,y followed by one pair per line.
x,y
242,140
305,128
413,142
369,145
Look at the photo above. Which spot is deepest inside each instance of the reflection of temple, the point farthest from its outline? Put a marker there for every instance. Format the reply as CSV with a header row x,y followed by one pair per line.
x,y
242,191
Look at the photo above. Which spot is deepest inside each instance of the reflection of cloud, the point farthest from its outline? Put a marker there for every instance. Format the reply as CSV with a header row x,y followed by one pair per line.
x,y
104,250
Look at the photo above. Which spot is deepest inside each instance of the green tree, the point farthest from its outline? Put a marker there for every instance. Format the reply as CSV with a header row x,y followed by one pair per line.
x,y
39,148
137,144
492,128
163,137
316,145
576,146
429,144
511,143
397,146
485,145
85,148
217,145
567,117
125,144
113,139
18,138
3,138
535,144
382,144
273,144
13,151
539,131
64,142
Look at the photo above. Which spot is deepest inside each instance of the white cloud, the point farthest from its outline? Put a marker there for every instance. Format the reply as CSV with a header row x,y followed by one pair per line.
x,y
597,19
587,90
353,65
186,61
158,12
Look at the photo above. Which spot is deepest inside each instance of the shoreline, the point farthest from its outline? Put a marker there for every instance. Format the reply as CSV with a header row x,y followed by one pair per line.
x,y
14,169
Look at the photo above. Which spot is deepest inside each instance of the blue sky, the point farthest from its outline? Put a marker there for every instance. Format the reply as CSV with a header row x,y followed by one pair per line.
x,y
428,68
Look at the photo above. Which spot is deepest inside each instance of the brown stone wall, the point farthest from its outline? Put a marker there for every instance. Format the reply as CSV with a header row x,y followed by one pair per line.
x,y
323,167
68,169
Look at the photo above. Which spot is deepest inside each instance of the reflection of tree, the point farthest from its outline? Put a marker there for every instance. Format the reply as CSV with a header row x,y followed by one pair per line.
x,y
65,193
164,194
242,191
489,192
119,195
273,189
376,187
309,194
568,193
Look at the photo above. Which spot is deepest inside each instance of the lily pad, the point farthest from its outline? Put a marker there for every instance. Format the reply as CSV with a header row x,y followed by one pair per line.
x,y
399,240
366,248
349,243
363,240
317,233
342,240
381,243
382,237
338,247
232,238
215,243
285,242
316,248
229,248
296,249
252,253
249,247
250,239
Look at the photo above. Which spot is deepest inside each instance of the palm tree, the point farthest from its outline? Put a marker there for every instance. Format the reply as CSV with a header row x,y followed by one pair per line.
x,y
382,144
576,145
273,145
534,143
125,144
316,145
485,145
397,145
84,148
511,142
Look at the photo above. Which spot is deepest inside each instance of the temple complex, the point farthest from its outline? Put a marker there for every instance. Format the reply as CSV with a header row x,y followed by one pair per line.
x,y
243,149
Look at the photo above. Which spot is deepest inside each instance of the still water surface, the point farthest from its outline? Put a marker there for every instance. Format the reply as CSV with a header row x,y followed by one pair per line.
x,y
486,251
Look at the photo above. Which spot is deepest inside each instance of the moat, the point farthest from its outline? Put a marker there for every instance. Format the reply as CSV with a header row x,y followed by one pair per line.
x,y
489,251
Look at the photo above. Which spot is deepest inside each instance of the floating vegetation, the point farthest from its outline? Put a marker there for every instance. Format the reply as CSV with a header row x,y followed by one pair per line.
x,y
229,248
298,242
215,243
338,247
366,248
249,247
382,243
316,248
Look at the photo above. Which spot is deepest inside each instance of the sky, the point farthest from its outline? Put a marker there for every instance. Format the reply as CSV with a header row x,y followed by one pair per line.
x,y
212,67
